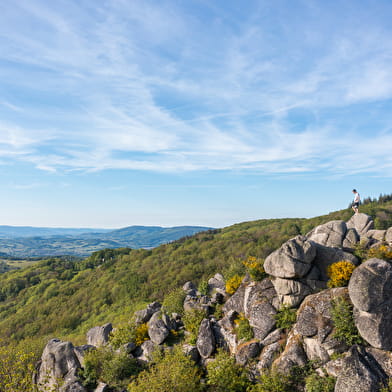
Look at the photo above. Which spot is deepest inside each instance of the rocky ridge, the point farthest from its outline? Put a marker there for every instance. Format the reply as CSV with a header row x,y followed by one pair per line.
x,y
297,279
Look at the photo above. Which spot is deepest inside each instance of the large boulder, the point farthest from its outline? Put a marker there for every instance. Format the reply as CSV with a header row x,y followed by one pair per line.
x,y
268,355
217,283
247,351
157,329
329,234
360,372
292,260
370,290
99,336
315,325
206,339
144,315
291,292
362,223
59,365
292,356
236,301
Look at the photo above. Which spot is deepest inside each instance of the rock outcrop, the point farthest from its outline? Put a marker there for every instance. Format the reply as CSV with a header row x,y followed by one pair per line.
x,y
157,329
370,291
99,336
58,368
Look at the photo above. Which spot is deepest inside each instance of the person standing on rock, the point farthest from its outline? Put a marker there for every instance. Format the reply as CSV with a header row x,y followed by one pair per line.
x,y
356,201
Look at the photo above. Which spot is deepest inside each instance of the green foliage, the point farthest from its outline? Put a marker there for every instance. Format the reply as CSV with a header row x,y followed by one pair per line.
x,y
16,369
255,268
170,372
223,374
233,283
130,332
218,311
203,287
285,317
339,273
387,387
343,319
383,252
316,383
271,381
192,320
243,330
174,301
113,368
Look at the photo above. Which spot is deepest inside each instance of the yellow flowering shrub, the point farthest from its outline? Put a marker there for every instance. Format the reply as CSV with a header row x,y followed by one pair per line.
x,y
16,369
255,268
141,334
243,330
233,283
339,273
383,252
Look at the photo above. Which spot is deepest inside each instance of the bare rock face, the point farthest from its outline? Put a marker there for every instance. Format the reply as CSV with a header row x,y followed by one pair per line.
x,y
247,351
144,315
360,372
293,354
370,290
350,240
99,336
362,223
329,234
268,355
145,351
292,260
236,301
157,329
291,292
217,283
206,339
58,363
388,236
191,351
315,325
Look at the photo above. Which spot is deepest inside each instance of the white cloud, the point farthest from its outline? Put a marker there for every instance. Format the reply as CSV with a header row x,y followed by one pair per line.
x,y
142,86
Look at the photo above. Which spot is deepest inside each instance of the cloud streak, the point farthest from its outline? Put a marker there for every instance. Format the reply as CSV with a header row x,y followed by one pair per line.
x,y
141,86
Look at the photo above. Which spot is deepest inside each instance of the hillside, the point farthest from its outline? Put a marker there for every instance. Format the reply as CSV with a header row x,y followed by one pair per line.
x,y
30,242
63,298
290,325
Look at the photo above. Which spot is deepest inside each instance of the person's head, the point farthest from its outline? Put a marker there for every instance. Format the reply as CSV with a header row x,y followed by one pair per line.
x,y
354,191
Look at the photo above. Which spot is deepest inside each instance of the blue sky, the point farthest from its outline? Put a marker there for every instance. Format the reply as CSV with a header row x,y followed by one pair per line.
x,y
122,112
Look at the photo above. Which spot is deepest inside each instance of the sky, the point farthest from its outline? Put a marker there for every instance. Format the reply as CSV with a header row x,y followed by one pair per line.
x,y
179,112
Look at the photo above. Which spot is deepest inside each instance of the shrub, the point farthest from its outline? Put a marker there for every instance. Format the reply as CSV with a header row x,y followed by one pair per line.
x,y
285,317
174,301
131,332
383,252
271,381
192,320
113,368
343,319
243,330
387,387
16,369
203,287
339,273
255,268
316,383
233,283
170,372
223,374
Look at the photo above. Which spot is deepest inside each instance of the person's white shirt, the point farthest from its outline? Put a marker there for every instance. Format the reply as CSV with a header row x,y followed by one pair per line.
x,y
357,198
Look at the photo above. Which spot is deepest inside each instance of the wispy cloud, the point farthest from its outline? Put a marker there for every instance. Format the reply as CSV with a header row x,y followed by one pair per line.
x,y
141,86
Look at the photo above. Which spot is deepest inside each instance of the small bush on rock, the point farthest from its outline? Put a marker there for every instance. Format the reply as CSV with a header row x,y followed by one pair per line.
x,y
172,371
339,273
285,317
223,374
192,320
233,283
316,383
255,268
174,301
203,287
243,330
343,319
382,252
271,381
113,368
131,332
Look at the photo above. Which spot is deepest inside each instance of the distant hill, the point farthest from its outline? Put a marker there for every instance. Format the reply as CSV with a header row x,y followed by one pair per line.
x,y
30,242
